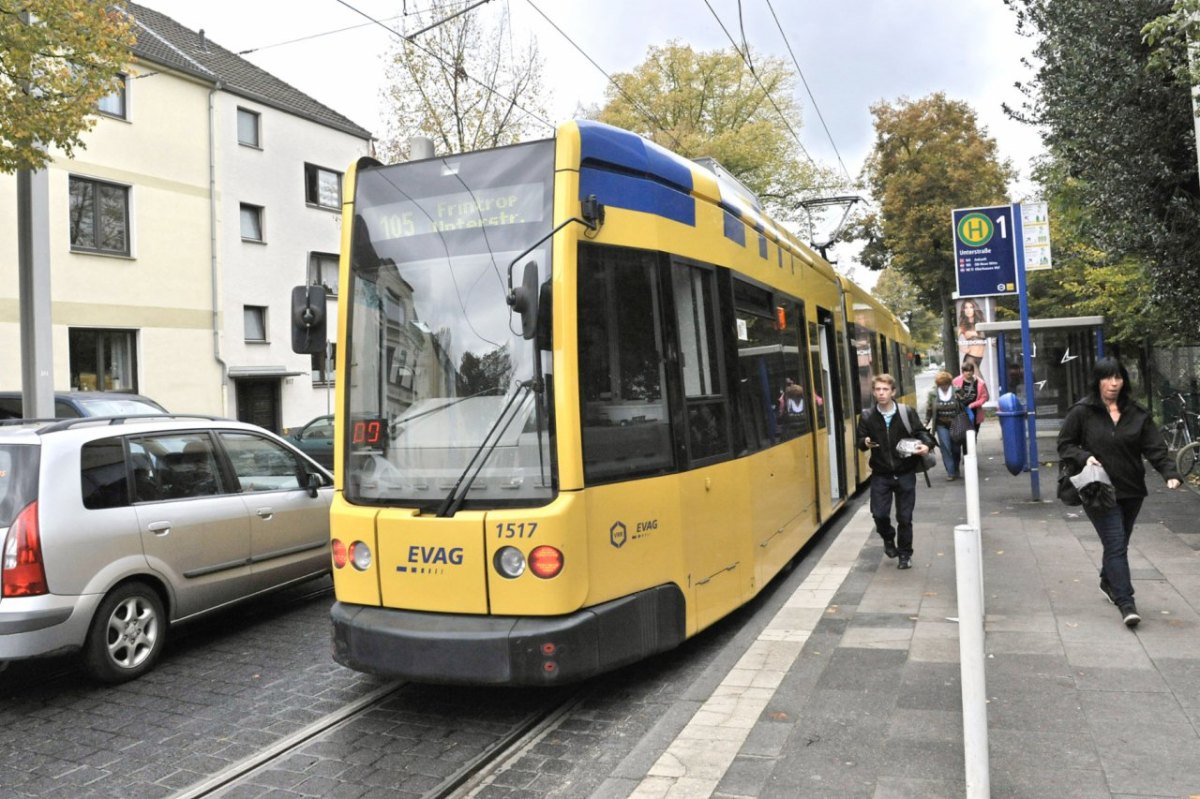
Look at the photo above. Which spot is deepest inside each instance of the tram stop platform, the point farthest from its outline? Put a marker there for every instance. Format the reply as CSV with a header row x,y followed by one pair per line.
x,y
854,688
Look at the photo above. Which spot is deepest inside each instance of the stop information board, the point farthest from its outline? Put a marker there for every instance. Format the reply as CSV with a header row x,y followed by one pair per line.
x,y
984,251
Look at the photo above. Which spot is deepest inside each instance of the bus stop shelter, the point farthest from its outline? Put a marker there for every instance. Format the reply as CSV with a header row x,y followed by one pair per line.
x,y
1063,352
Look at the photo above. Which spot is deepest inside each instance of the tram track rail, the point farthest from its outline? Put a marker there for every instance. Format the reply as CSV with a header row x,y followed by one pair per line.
x,y
265,757
474,773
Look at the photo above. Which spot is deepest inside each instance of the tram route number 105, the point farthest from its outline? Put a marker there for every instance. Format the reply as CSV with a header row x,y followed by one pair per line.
x,y
515,529
366,432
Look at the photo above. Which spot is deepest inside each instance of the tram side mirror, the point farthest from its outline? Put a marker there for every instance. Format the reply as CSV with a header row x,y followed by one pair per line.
x,y
524,300
308,319
592,211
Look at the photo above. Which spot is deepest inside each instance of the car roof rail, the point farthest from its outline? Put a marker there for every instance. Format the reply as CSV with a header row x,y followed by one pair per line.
x,y
97,421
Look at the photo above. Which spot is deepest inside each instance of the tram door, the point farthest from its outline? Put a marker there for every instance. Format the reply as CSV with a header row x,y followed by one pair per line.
x,y
827,379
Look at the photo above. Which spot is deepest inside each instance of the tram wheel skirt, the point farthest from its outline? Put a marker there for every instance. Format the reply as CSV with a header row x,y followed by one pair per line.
x,y
507,650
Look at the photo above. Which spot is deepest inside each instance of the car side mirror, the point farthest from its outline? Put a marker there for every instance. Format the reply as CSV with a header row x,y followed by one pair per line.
x,y
313,483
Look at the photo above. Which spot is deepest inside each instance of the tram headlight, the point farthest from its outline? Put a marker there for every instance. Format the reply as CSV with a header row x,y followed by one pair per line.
x,y
360,556
339,553
509,562
545,562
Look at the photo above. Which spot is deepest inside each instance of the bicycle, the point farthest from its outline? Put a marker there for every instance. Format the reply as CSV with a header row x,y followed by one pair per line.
x,y
1177,433
1185,462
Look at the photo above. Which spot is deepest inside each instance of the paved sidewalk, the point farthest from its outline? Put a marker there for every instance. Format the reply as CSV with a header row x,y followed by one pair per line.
x,y
854,689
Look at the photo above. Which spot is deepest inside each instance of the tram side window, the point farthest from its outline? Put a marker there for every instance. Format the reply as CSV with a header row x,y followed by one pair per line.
x,y
623,403
768,367
696,318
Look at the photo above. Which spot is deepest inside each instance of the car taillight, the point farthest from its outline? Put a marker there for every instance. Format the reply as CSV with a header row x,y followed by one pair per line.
x,y
23,572
339,553
545,562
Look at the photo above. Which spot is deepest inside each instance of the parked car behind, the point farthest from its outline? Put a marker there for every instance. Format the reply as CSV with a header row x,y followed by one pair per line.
x,y
73,404
315,439
115,529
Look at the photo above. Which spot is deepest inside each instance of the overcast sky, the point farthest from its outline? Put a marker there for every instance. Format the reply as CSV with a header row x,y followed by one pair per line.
x,y
852,53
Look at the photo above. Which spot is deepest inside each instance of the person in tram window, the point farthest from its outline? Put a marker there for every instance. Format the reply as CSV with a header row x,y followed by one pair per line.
x,y
1107,428
795,408
892,475
941,407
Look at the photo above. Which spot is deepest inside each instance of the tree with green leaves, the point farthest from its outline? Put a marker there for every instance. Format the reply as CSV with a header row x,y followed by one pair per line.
x,y
1115,107
930,157
1086,279
898,292
462,83
58,58
709,103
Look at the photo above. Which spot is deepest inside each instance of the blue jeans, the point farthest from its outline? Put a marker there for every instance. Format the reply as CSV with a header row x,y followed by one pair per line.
x,y
1115,526
951,452
904,488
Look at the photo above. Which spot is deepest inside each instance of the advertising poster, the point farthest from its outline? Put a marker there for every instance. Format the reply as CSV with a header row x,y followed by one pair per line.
x,y
973,345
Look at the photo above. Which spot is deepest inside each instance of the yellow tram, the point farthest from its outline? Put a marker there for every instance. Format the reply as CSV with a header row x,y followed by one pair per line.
x,y
590,400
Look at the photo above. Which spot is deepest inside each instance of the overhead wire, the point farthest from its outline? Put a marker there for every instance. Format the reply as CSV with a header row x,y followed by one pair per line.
x,y
638,106
800,72
312,36
766,93
455,69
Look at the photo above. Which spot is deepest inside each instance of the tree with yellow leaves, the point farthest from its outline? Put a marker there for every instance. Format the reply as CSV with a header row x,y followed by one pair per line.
x,y
58,58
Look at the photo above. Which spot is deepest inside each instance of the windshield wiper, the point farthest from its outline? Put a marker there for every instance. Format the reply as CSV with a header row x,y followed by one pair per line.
x,y
454,499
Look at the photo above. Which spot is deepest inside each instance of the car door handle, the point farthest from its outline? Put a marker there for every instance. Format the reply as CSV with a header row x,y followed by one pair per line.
x,y
265,513
159,528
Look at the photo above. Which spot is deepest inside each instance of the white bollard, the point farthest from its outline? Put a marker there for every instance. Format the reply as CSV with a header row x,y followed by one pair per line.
x,y
971,660
971,485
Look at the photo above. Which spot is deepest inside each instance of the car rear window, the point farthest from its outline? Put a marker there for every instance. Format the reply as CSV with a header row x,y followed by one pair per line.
x,y
18,479
104,406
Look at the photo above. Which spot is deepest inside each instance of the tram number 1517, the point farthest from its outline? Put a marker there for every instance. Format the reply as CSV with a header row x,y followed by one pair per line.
x,y
515,529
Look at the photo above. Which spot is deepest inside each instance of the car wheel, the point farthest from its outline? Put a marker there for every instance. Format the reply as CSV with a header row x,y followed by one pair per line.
x,y
127,634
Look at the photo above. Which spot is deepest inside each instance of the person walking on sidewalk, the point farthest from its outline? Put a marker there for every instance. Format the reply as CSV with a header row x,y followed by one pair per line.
x,y
941,408
892,474
1108,428
972,392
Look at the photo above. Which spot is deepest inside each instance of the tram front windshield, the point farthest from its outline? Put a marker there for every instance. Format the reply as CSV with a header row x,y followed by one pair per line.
x,y
442,402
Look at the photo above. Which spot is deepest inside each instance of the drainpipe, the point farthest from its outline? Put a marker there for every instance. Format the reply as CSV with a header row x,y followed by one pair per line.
x,y
212,245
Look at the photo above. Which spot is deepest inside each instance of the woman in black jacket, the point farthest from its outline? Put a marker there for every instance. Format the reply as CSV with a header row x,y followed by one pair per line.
x,y
1108,428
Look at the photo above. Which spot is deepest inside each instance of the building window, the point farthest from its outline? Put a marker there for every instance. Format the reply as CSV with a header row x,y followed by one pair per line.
x,y
99,216
324,368
102,360
255,322
323,271
248,127
322,187
113,104
252,222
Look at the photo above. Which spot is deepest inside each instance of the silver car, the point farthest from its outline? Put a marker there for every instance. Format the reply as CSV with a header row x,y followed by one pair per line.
x,y
114,529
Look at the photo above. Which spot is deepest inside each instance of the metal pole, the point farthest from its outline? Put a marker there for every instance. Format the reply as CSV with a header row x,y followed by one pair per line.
x,y
33,270
971,661
1026,353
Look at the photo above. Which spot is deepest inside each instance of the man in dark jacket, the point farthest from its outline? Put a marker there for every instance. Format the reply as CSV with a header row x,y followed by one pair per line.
x,y
879,430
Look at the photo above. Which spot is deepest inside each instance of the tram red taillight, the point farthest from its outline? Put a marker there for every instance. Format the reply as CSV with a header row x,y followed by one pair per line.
x,y
339,553
545,562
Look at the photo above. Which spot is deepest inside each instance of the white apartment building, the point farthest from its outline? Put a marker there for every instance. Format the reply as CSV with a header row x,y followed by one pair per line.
x,y
208,189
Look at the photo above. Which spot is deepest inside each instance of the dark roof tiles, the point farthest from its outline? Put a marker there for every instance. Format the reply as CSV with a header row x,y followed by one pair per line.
x,y
164,41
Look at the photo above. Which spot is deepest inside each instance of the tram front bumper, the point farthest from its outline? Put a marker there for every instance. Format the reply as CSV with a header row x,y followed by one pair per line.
x,y
507,650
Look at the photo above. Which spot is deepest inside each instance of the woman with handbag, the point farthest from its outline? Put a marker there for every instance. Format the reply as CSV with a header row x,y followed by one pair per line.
x,y
1107,428
972,392
941,407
